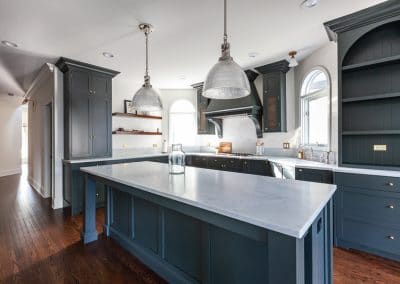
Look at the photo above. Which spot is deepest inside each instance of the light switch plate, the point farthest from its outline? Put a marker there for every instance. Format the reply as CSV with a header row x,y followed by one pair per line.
x,y
286,145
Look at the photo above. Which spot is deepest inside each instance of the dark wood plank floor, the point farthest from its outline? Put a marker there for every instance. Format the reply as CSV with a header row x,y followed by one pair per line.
x,y
41,245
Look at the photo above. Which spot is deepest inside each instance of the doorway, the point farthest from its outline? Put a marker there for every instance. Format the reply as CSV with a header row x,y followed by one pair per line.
x,y
47,174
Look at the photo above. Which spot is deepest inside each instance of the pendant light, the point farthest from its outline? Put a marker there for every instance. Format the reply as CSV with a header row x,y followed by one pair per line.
x,y
146,98
292,59
226,79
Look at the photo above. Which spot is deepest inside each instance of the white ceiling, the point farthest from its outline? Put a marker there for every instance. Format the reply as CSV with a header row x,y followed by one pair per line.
x,y
186,40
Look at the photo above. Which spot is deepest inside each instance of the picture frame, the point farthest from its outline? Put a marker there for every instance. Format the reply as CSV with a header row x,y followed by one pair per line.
x,y
128,107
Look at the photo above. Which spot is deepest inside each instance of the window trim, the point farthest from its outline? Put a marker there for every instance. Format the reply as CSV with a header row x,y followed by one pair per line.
x,y
171,113
314,95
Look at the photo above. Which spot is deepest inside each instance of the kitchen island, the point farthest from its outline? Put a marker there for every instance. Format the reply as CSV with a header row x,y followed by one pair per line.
x,y
211,226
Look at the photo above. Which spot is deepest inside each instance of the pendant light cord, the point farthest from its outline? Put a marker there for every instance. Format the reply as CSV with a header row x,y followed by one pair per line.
x,y
146,76
225,47
225,23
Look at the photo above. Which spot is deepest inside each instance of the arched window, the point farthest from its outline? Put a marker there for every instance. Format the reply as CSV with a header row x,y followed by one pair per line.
x,y
182,123
315,108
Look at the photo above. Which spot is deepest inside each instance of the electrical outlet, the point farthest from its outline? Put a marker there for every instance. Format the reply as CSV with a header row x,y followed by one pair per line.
x,y
286,145
155,146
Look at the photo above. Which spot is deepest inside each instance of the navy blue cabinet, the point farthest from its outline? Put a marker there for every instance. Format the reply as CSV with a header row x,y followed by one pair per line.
x,y
249,166
274,95
87,110
314,175
367,214
74,181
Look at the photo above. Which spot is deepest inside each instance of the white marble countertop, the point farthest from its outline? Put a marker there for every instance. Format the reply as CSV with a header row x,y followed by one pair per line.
x,y
285,206
117,156
294,162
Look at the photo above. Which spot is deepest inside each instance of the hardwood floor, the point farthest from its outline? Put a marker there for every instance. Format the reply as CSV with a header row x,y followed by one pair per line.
x,y
41,245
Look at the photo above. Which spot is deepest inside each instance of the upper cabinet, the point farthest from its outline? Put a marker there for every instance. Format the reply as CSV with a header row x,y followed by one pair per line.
x,y
274,96
369,85
203,125
87,110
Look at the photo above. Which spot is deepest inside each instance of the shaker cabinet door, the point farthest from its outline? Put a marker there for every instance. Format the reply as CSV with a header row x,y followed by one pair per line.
x,y
79,117
274,102
100,115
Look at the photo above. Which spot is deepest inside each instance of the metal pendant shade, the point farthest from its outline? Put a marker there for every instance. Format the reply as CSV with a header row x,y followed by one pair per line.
x,y
147,98
226,79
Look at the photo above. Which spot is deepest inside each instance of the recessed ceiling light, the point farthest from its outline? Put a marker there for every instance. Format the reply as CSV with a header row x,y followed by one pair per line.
x,y
253,54
182,77
309,3
9,43
108,54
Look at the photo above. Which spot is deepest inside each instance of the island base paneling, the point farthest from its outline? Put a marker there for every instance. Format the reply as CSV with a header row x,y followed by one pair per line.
x,y
186,244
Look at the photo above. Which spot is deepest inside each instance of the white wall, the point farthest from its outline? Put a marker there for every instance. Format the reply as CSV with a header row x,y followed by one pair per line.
x,y
168,97
241,130
10,129
45,174
238,130
325,57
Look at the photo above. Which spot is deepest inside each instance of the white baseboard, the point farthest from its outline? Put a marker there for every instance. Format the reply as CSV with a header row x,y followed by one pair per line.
x,y
57,203
17,171
36,186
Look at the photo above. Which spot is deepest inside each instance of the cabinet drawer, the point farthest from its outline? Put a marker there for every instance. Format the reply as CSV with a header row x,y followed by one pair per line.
x,y
198,161
383,208
314,175
375,237
217,163
235,165
368,181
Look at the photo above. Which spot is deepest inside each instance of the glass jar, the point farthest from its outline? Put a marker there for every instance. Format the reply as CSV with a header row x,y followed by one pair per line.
x,y
176,160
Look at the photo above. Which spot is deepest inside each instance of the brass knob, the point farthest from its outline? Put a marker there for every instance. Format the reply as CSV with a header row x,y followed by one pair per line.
x,y
97,195
390,206
391,238
390,184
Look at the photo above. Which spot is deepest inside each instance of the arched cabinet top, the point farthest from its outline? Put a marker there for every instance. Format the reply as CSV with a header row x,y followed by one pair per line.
x,y
378,44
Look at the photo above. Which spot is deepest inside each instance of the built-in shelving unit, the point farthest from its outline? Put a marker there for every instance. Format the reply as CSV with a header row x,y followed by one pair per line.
x,y
125,132
132,115
370,99
372,63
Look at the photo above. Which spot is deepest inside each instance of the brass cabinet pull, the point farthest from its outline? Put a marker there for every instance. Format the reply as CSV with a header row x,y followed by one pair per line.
x,y
97,195
390,184
391,238
390,206
300,170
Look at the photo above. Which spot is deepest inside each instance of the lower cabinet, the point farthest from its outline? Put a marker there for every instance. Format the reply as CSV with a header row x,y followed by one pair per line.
x,y
249,166
74,181
313,175
367,214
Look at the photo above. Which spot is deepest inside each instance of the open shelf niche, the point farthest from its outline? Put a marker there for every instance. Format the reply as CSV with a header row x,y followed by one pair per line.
x,y
370,100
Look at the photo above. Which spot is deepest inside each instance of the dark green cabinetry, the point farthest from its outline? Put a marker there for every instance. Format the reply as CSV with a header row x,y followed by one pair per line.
x,y
369,86
203,125
321,176
87,110
274,96
367,214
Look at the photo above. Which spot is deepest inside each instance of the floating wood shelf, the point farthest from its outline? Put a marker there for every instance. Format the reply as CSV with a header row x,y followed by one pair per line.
x,y
372,97
132,115
372,63
372,132
136,133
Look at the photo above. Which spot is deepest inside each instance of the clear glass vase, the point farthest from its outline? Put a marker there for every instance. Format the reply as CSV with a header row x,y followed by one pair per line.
x,y
176,160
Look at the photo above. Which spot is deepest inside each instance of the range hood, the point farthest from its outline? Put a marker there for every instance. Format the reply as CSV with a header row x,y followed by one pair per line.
x,y
249,106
